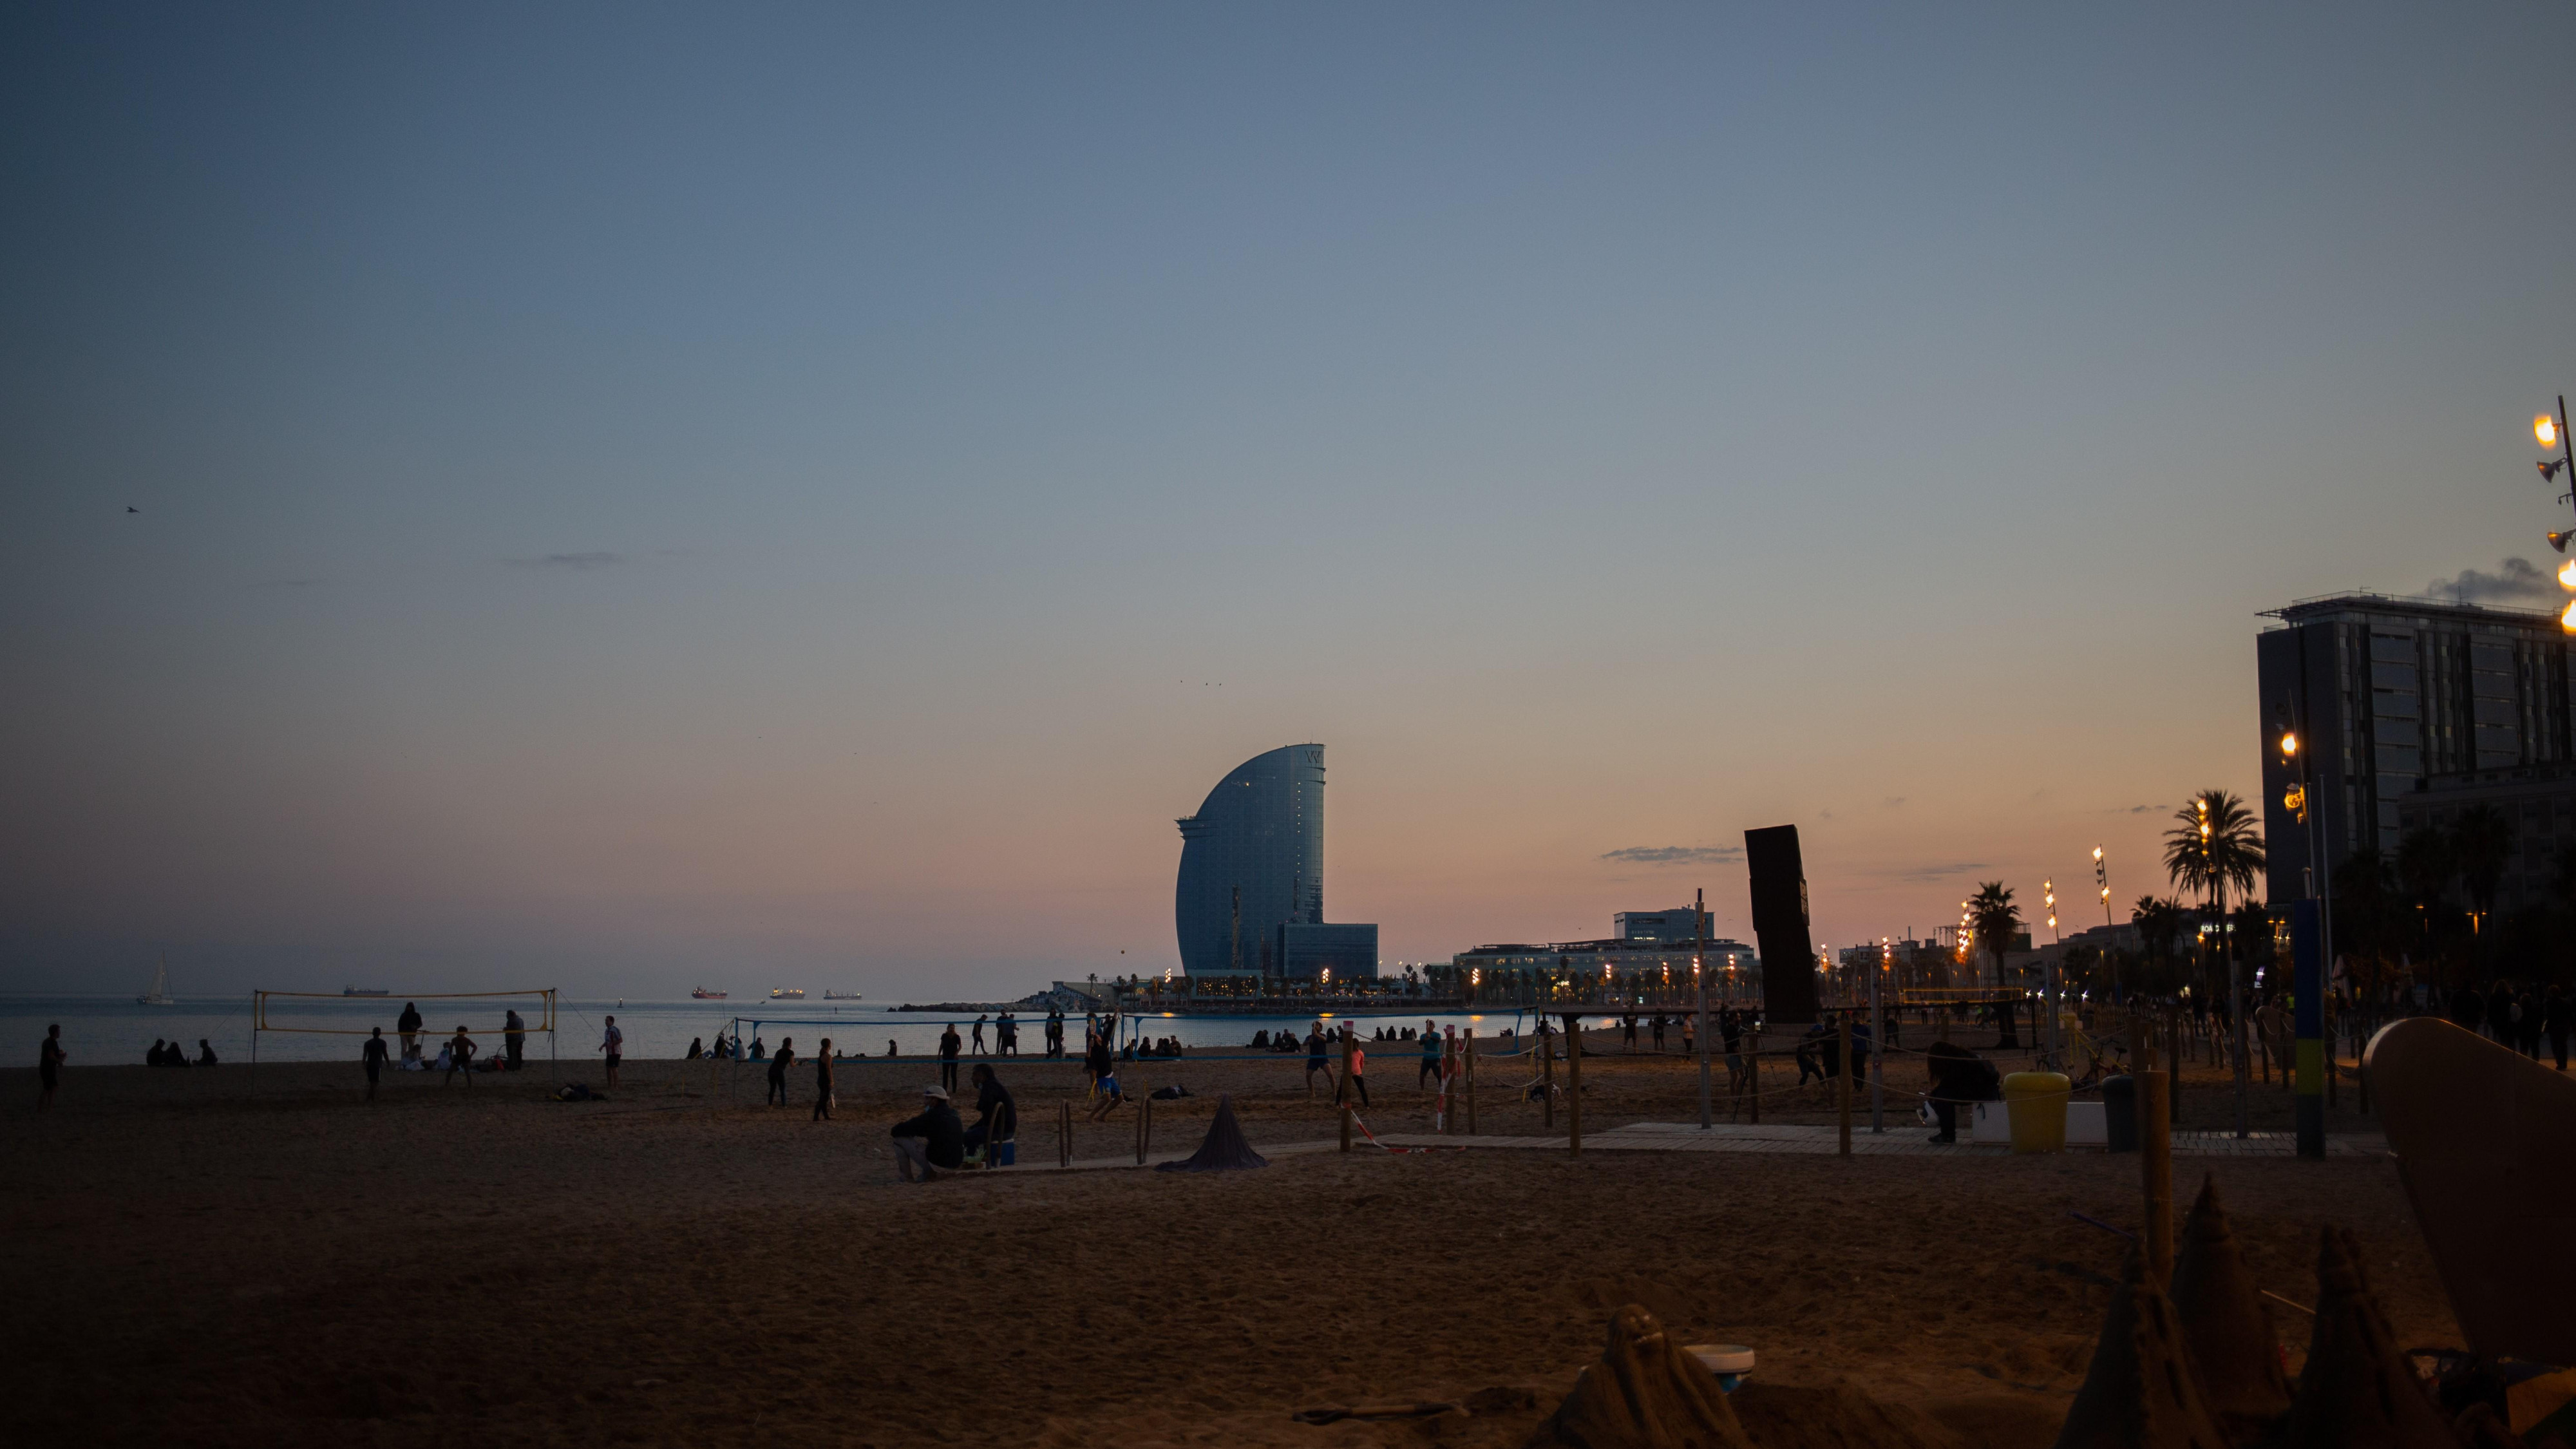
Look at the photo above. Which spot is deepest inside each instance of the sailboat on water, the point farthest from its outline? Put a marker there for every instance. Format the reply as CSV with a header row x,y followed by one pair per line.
x,y
159,995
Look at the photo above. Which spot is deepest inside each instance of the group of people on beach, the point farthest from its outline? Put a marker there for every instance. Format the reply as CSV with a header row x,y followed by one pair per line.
x,y
171,1054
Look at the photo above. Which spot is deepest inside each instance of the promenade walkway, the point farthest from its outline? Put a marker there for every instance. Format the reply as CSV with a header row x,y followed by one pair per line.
x,y
1803,1139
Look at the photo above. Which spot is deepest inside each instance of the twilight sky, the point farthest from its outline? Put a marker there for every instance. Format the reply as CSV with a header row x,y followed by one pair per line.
x,y
767,495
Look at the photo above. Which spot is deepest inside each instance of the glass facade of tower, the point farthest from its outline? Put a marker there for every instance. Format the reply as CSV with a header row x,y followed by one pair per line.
x,y
1258,838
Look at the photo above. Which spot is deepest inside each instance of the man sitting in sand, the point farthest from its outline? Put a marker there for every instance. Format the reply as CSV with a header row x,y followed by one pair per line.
x,y
933,1141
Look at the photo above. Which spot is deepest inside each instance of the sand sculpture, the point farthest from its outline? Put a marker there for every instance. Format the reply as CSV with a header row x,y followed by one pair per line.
x,y
2225,1326
1223,1149
2141,1391
2357,1389
1643,1393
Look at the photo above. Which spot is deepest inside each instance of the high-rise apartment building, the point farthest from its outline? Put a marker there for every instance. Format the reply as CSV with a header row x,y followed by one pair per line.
x,y
2406,706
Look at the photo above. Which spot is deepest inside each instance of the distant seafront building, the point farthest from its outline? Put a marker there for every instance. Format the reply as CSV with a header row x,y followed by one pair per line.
x,y
1651,949
2410,710
1250,898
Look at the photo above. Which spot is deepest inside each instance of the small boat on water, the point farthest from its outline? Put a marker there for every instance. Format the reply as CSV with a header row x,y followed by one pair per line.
x,y
159,995
787,993
704,994
362,991
840,996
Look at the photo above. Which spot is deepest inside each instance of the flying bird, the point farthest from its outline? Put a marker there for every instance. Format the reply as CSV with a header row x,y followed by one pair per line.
x,y
130,508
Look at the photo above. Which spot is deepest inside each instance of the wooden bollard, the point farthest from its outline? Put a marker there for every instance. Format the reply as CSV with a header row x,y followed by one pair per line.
x,y
1753,1081
1348,1112
1064,1134
2155,1155
1447,1111
1144,1115
1843,1081
1547,1080
1467,1049
1574,1084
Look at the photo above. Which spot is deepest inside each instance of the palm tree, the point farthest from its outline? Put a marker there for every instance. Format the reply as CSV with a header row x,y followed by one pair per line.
x,y
2482,842
2158,922
1995,920
2214,845
2365,897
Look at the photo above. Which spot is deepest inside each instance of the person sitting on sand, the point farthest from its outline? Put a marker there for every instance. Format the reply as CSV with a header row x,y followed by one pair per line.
x,y
997,1117
759,1051
1958,1076
697,1049
205,1053
934,1140
459,1057
152,1058
444,1059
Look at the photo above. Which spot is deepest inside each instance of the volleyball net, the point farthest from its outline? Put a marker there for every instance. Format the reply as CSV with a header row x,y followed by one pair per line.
x,y
441,1012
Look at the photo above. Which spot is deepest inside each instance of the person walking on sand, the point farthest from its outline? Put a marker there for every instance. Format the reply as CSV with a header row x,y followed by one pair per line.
x,y
408,1024
49,1066
372,1057
778,1066
823,1083
948,1045
1315,1061
460,1057
979,1036
1359,1067
613,1042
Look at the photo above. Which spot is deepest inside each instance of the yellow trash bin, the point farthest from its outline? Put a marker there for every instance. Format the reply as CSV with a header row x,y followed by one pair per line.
x,y
2036,1102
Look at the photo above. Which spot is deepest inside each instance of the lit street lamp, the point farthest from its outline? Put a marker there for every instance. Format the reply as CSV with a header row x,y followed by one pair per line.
x,y
2550,433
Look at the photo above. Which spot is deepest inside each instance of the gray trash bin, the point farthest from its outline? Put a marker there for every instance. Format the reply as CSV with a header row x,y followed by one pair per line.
x,y
2120,1113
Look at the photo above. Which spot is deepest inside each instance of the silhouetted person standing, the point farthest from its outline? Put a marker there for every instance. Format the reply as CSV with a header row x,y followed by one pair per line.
x,y
460,1057
514,1039
823,1082
613,1042
372,1057
948,1045
778,1066
49,1066
408,1024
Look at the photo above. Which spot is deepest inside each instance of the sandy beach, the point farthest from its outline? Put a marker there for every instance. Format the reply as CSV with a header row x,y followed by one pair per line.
x,y
193,1262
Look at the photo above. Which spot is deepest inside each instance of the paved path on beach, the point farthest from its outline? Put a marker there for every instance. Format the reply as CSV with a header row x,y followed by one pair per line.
x,y
1804,1139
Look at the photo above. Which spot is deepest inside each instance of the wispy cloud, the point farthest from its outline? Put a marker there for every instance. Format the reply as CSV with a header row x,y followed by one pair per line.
x,y
2514,578
1938,872
1675,854
598,559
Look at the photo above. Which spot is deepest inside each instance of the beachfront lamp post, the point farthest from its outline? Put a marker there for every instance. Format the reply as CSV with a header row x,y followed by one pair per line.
x,y
2102,878
2551,432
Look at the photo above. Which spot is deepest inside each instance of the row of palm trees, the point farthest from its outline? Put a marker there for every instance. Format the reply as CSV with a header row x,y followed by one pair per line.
x,y
2384,905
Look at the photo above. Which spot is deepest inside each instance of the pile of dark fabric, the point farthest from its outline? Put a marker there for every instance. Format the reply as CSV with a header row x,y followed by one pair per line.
x,y
1224,1149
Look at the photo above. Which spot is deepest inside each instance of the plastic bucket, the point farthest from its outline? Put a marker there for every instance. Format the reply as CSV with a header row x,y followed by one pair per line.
x,y
2120,1113
1731,1362
2037,1104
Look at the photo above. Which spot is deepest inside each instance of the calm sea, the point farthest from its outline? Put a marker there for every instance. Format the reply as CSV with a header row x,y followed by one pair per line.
x,y
100,1030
